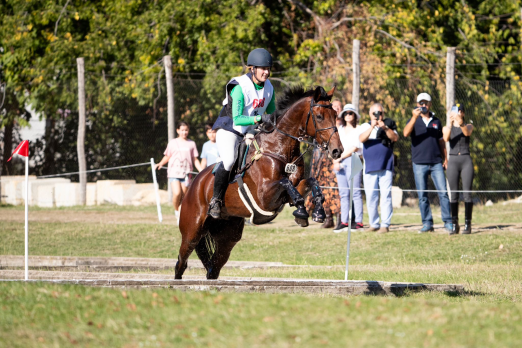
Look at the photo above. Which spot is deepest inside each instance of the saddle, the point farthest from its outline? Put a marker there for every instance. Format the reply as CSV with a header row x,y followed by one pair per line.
x,y
258,216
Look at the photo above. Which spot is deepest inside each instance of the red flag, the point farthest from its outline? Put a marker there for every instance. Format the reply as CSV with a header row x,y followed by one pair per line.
x,y
22,149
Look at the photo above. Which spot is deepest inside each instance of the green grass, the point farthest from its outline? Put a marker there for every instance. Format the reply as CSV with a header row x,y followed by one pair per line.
x,y
489,314
47,315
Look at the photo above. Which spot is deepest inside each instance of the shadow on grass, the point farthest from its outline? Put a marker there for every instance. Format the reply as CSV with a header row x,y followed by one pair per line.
x,y
493,227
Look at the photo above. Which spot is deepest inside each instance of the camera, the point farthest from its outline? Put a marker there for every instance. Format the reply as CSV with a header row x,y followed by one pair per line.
x,y
378,115
424,110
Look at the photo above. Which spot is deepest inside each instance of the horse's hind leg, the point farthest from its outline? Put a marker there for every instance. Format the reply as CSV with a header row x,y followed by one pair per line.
x,y
226,234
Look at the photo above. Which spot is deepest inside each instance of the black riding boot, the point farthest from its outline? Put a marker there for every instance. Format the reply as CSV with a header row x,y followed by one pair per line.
x,y
455,217
220,188
468,213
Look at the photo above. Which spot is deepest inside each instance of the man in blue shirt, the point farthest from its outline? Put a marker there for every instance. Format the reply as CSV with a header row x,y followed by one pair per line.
x,y
209,153
429,158
378,137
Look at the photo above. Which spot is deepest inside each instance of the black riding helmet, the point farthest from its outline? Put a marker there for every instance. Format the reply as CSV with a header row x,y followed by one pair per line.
x,y
259,57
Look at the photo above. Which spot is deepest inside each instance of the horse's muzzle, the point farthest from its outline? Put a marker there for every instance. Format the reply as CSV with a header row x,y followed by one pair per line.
x,y
336,153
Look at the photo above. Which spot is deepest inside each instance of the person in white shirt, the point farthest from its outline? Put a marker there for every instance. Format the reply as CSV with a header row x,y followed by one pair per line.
x,y
378,137
349,134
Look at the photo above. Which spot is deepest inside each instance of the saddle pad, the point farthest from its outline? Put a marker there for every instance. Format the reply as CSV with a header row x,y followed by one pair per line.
x,y
257,215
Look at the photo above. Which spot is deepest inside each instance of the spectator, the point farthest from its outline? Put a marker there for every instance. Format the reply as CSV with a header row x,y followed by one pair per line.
x,y
349,134
460,165
337,106
181,155
429,158
378,137
322,170
209,153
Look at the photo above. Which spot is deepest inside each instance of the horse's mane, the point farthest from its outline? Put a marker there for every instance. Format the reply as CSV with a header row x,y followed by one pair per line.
x,y
293,94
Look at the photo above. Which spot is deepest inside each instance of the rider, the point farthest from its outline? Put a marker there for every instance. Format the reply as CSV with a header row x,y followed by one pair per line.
x,y
247,99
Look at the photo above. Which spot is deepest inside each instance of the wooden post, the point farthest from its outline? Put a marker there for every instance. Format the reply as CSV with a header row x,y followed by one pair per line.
x,y
171,121
81,132
356,74
167,63
450,81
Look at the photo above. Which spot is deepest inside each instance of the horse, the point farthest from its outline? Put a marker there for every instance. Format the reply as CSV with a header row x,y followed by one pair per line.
x,y
270,184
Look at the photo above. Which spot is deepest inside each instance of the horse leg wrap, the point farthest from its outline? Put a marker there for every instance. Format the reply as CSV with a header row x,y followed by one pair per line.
x,y
318,214
296,197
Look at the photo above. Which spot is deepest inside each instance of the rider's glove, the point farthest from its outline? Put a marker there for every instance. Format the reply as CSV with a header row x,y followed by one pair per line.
x,y
266,118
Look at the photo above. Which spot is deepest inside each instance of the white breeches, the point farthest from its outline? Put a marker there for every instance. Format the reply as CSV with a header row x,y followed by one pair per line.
x,y
227,143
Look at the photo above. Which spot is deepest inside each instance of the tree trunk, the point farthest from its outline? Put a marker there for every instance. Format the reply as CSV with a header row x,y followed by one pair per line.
x,y
8,149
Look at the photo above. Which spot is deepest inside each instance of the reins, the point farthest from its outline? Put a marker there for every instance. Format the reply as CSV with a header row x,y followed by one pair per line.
x,y
301,139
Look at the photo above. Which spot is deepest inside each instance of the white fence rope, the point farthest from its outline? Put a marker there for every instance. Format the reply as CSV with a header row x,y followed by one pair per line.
x,y
415,190
323,187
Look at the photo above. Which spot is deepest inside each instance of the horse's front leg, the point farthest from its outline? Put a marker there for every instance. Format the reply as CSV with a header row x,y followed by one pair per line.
x,y
301,216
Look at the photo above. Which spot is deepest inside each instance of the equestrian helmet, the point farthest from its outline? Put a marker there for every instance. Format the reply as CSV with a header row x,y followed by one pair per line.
x,y
259,57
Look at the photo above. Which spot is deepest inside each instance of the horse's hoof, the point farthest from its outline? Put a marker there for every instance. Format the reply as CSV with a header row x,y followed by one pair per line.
x,y
301,222
301,213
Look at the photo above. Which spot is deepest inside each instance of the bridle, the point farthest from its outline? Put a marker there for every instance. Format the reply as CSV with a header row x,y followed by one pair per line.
x,y
300,139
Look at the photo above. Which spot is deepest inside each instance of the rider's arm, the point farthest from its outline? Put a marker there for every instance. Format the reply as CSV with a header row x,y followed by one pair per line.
x,y
270,109
238,103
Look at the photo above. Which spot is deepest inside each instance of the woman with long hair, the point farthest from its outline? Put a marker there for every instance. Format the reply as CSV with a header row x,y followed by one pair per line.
x,y
460,166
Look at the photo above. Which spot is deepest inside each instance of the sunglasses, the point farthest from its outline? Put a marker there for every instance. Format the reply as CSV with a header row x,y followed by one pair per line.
x,y
378,113
423,103
350,113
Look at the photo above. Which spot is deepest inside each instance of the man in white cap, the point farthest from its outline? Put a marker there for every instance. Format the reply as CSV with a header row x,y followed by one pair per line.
x,y
378,137
429,158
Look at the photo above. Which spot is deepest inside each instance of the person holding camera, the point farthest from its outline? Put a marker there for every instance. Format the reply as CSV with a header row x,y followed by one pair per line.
x,y
378,137
429,158
460,166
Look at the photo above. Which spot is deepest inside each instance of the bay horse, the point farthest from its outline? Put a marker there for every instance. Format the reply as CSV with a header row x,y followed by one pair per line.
x,y
300,114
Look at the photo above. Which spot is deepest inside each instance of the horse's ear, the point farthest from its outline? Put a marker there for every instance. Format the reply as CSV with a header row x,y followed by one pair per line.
x,y
318,93
331,92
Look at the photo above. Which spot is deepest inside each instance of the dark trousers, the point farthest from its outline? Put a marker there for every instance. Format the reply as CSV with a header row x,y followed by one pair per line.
x,y
460,167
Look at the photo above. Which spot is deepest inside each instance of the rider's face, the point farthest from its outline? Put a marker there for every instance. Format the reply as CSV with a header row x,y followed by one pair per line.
x,y
262,73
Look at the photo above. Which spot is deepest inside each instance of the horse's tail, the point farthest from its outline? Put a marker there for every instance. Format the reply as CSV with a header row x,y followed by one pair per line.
x,y
206,249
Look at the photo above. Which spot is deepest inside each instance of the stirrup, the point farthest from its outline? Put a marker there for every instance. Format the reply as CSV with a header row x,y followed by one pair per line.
x,y
214,209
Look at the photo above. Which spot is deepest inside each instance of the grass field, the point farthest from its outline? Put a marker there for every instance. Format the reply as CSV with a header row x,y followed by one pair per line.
x,y
486,263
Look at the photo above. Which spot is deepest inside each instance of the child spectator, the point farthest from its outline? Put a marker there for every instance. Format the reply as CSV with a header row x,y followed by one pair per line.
x,y
181,155
209,153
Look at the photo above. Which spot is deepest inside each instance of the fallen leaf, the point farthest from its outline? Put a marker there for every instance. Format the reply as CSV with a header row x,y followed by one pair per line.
x,y
124,294
268,319
501,247
90,323
358,304
347,303
175,298
430,332
131,306
218,299
154,295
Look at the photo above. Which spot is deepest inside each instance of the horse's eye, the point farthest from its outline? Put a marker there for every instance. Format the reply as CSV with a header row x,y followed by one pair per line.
x,y
319,117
